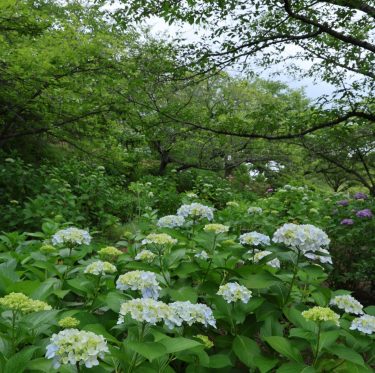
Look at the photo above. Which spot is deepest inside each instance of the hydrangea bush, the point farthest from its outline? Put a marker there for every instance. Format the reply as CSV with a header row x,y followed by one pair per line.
x,y
198,291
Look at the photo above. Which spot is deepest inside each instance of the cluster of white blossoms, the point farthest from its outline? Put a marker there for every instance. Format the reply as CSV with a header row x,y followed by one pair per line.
x,y
320,258
259,255
144,310
100,268
72,346
254,239
174,314
253,210
196,211
143,281
145,256
171,221
159,239
216,228
190,313
232,292
202,255
348,304
365,324
71,236
304,237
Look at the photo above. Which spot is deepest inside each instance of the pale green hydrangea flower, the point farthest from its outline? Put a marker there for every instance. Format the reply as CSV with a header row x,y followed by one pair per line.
x,y
206,341
319,314
145,256
109,253
254,239
71,236
143,281
253,210
100,268
159,239
72,346
19,302
232,204
216,228
233,292
69,322
47,249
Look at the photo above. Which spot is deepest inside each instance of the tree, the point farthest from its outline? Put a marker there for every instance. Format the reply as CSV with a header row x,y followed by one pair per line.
x,y
335,36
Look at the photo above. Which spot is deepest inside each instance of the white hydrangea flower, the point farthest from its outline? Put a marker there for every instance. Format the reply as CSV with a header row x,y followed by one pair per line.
x,y
72,346
202,255
145,310
171,221
304,237
190,313
254,239
145,256
100,268
72,236
232,292
159,239
365,324
347,303
259,255
196,211
216,228
254,210
143,281
320,258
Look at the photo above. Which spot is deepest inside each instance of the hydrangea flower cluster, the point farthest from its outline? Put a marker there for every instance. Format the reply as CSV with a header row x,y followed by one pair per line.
x,y
191,195
202,255
304,237
143,281
364,324
159,239
100,268
320,258
72,346
206,341
144,310
232,292
47,249
171,221
343,202
190,313
145,256
319,314
254,239
109,253
347,221
196,211
19,302
69,322
366,213
71,236
216,228
360,195
232,204
348,304
253,210
259,255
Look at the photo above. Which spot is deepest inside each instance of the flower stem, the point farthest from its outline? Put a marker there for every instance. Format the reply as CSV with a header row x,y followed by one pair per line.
x,y
317,345
135,356
14,332
293,278
211,259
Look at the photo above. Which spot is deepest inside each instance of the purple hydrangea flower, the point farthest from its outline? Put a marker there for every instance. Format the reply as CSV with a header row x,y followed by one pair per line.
x,y
269,190
360,195
347,222
366,213
343,202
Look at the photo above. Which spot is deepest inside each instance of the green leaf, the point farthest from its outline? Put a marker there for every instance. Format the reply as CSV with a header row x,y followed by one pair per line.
x,y
284,347
18,362
100,329
183,294
177,344
346,353
245,349
149,350
260,280
264,363
328,338
219,361
295,368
